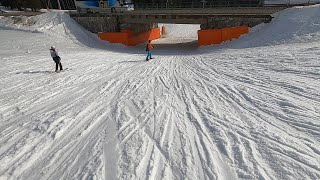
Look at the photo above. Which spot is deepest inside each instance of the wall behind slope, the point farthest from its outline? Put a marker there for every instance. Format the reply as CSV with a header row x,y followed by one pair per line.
x,y
98,24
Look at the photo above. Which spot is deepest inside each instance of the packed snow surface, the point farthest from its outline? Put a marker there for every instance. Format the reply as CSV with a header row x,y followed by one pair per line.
x,y
246,109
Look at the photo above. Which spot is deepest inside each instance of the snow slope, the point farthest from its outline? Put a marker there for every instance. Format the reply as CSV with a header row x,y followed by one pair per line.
x,y
297,25
247,109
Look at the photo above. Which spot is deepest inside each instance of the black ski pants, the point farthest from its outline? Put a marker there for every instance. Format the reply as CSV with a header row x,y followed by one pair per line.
x,y
58,63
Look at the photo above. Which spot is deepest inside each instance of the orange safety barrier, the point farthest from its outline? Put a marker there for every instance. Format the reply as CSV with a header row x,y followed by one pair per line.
x,y
144,37
227,34
116,37
243,30
128,38
209,36
217,36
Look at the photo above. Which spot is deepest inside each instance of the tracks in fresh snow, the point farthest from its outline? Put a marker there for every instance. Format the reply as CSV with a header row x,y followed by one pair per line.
x,y
169,118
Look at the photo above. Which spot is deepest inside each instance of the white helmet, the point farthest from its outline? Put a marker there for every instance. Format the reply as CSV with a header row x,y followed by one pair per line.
x,y
52,47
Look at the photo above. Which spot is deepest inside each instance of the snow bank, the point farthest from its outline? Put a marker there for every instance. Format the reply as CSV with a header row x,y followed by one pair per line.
x,y
293,25
54,25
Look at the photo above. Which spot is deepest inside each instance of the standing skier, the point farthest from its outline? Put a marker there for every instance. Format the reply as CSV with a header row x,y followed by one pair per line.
x,y
56,58
148,49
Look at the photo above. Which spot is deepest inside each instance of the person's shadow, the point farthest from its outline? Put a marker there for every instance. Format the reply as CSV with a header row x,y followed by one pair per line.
x,y
129,62
35,72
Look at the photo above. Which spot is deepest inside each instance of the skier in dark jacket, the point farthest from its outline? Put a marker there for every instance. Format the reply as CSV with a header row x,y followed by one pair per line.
x,y
148,49
56,58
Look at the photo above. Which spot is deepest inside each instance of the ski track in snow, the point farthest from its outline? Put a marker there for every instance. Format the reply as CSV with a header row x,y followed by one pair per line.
x,y
245,113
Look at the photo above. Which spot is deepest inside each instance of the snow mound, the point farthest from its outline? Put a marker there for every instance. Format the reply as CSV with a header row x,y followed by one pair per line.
x,y
55,25
294,25
38,23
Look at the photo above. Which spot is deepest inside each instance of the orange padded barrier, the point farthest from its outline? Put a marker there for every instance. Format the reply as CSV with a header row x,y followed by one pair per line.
x,y
128,38
209,36
217,36
116,37
227,34
243,30
144,37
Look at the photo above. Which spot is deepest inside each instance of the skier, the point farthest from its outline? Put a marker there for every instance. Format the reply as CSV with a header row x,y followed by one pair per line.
x,y
56,58
148,49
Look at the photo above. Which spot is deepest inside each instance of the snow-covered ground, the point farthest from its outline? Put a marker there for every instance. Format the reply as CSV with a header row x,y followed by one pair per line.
x,y
246,109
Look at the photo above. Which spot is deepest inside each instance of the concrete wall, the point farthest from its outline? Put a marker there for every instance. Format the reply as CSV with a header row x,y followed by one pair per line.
x,y
139,28
219,22
111,24
98,24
